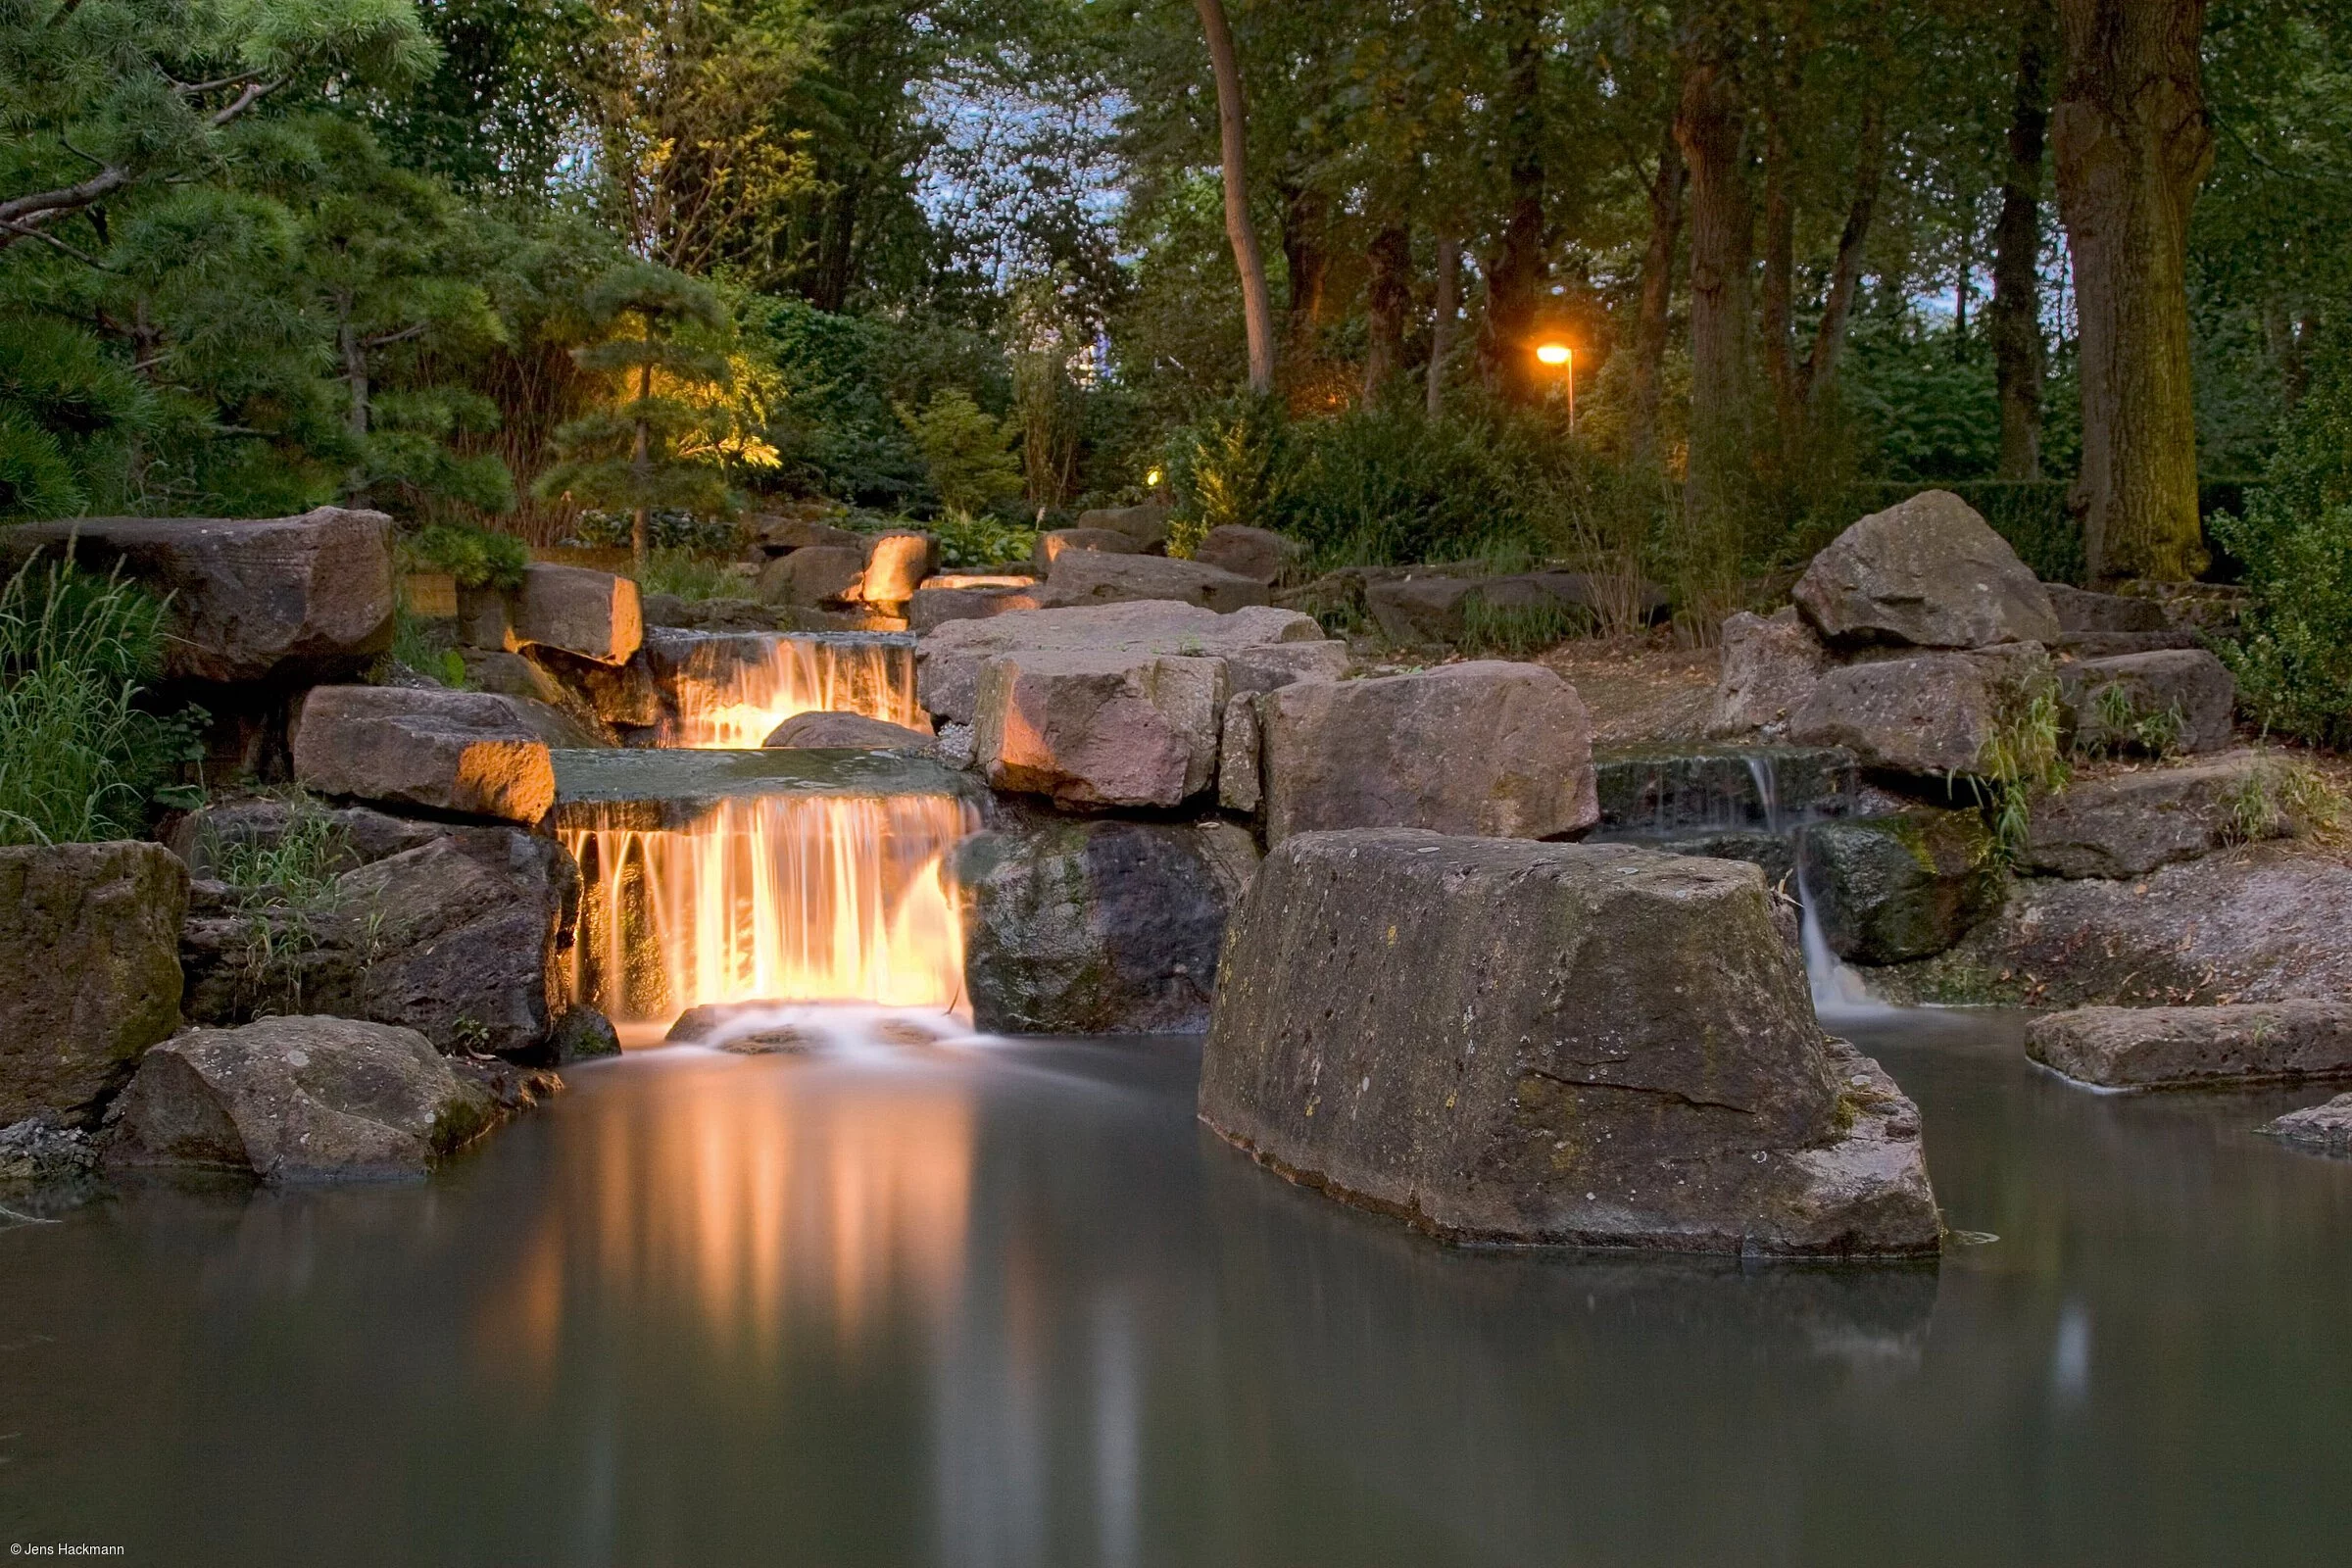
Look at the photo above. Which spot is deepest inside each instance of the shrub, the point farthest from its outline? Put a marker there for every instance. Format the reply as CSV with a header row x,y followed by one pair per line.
x,y
982,540
967,450
81,757
687,575
287,897
476,556
2293,655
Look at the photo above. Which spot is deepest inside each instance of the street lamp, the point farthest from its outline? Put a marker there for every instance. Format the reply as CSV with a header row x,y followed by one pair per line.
x,y
1562,355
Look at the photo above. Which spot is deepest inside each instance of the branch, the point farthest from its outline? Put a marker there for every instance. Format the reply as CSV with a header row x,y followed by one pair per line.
x,y
193,88
253,93
401,336
21,218
9,233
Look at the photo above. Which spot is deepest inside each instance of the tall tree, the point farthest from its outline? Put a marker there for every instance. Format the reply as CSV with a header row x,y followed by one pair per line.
x,y
2017,344
1257,304
1665,189
2133,143
1710,127
1515,272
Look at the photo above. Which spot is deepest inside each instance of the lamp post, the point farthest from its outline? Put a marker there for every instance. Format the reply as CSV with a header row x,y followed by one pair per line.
x,y
1560,354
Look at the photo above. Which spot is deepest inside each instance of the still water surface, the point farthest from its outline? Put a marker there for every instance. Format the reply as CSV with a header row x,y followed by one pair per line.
x,y
1007,1304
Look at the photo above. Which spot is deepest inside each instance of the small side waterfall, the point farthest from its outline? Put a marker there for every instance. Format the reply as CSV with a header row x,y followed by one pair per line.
x,y
730,689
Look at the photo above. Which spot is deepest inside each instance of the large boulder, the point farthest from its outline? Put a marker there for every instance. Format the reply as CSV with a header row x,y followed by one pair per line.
x,y
1573,1044
2186,1048
90,970
2130,824
1485,748
1258,554
297,1099
1092,577
847,732
820,575
2177,699
1055,541
471,752
1098,926
1908,885
591,614
1770,667
1146,522
895,564
1932,714
1099,728
949,658
2262,923
456,932
1928,573
252,599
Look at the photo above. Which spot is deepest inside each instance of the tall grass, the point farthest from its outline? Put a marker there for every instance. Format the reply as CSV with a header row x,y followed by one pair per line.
x,y
81,757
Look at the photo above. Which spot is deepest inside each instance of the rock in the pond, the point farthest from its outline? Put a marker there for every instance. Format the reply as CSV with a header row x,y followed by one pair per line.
x,y
471,752
40,1153
2262,923
1928,573
297,1099
1932,714
1052,544
1098,926
1094,729
821,574
252,599
90,970
1147,524
2177,699
855,732
1258,554
2132,823
592,614
581,1034
1889,888
948,658
2183,1047
456,935
1770,667
1576,1045
1487,747
895,564
2325,1129
1091,577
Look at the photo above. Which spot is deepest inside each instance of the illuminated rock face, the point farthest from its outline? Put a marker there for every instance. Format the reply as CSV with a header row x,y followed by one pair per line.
x,y
474,754
1595,1046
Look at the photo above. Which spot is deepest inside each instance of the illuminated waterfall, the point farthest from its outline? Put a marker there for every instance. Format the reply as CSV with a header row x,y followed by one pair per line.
x,y
783,898
732,688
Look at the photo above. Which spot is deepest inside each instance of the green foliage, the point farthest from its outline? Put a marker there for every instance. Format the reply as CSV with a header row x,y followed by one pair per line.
x,y
2124,727
69,413
984,539
422,649
2282,799
1518,631
476,557
690,575
81,757
287,898
1225,472
967,452
2023,757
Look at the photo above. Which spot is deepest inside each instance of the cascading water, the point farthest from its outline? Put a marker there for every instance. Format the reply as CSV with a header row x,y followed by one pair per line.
x,y
731,689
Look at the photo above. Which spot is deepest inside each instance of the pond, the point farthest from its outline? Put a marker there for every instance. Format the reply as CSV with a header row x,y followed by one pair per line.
x,y
1007,1303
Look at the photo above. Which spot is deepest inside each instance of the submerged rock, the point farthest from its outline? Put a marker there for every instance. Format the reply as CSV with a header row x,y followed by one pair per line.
x,y
581,1034
2323,1129
2185,1048
38,1153
1578,1045
297,1099
252,599
1904,886
820,731
90,970
470,753
1098,926
1928,573
1487,747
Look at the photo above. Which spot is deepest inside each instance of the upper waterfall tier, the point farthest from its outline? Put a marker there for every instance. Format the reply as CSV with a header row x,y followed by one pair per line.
x,y
731,689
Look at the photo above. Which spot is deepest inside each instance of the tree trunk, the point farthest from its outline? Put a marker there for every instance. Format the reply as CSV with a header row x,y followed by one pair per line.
x,y
1515,280
2017,344
1657,292
1440,330
2133,143
1778,316
355,371
1819,371
1307,256
1257,304
1389,295
1708,128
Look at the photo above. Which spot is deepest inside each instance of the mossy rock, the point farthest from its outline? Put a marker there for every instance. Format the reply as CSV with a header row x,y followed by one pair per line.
x,y
1889,889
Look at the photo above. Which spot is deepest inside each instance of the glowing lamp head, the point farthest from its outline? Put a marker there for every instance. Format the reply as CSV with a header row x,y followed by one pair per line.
x,y
1552,352
1151,479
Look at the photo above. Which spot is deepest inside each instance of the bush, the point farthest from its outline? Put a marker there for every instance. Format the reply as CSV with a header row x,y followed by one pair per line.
x,y
967,452
985,540
476,556
686,574
80,758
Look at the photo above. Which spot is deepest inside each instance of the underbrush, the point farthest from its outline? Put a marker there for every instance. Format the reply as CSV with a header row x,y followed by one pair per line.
x,y
685,573
82,755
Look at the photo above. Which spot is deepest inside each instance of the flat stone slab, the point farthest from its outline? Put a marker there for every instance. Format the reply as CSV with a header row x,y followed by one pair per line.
x,y
2325,1129
950,655
2188,1048
474,754
2186,691
2131,824
1499,1041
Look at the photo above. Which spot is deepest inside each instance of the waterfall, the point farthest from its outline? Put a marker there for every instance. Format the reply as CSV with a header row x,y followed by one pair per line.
x,y
767,897
1836,987
732,688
